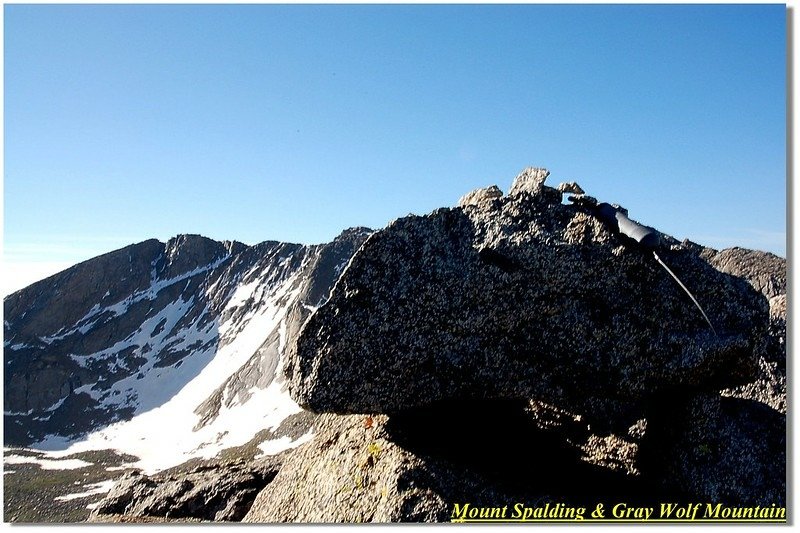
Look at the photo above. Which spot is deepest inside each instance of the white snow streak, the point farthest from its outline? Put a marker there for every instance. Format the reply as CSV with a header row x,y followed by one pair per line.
x,y
46,464
101,487
18,413
276,446
19,346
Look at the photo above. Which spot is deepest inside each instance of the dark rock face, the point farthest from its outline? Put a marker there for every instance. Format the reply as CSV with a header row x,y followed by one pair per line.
x,y
521,297
77,289
213,491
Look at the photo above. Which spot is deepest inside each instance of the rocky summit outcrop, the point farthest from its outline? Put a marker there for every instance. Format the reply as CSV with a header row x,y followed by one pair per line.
x,y
519,349
523,297
479,196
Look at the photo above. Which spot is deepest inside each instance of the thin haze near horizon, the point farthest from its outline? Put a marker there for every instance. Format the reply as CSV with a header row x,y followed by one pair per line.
x,y
292,123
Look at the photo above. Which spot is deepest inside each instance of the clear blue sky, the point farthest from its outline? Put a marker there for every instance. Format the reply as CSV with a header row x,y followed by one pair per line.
x,y
292,123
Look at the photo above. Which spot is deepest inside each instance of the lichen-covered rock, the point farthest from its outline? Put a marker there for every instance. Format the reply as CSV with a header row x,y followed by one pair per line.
x,y
768,388
522,298
350,472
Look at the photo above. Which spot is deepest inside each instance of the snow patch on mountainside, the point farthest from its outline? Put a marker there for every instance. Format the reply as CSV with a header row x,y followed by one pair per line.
x,y
153,386
276,446
100,487
163,434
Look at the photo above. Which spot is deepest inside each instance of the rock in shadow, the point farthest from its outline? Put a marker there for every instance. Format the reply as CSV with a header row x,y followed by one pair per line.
x,y
706,447
522,453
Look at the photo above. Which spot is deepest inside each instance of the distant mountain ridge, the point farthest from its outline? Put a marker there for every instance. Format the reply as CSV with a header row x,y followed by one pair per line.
x,y
190,327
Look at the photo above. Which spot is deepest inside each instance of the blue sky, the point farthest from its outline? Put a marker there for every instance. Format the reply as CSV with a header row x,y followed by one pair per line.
x,y
291,123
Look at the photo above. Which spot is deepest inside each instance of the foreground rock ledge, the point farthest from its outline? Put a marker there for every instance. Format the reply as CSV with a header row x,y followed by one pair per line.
x,y
210,491
522,297
414,467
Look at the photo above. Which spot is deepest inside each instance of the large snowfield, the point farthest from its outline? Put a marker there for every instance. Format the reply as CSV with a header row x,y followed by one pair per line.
x,y
163,433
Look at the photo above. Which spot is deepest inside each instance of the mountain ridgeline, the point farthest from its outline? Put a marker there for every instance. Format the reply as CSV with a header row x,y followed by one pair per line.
x,y
125,332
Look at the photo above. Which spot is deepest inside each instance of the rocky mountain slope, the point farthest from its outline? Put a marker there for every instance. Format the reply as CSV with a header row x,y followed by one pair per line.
x,y
162,350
